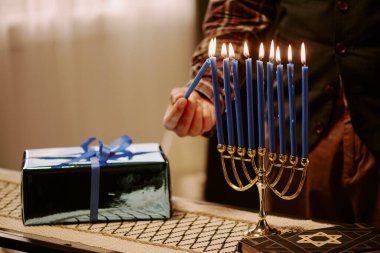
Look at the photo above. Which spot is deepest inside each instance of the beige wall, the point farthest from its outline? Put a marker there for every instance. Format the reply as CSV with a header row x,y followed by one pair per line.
x,y
74,69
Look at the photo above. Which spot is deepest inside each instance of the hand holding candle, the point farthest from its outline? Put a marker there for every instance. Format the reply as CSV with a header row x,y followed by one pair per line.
x,y
211,61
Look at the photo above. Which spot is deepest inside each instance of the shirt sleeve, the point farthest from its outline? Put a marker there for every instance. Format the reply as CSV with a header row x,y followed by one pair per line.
x,y
229,21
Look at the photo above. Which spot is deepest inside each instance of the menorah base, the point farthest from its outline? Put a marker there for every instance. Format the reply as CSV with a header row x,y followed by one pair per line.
x,y
243,159
262,229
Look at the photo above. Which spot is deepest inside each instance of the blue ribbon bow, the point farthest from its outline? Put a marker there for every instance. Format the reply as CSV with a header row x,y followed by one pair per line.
x,y
97,159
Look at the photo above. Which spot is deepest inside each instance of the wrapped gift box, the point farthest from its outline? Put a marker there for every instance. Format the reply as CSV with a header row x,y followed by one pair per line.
x,y
133,185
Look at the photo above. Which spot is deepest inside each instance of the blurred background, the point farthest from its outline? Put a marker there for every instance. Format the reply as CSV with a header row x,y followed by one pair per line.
x,y
72,69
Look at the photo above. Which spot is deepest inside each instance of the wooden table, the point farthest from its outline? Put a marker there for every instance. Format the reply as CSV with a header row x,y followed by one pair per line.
x,y
194,227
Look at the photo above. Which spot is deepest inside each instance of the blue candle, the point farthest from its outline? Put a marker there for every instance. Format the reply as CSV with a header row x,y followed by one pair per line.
x,y
215,90
305,105
292,106
260,97
197,78
280,101
272,145
250,111
227,93
235,78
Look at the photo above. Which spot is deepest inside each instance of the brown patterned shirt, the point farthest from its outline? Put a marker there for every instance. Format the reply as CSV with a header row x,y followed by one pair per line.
x,y
230,21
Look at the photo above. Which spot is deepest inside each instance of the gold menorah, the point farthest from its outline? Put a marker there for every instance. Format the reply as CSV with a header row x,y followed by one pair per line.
x,y
266,174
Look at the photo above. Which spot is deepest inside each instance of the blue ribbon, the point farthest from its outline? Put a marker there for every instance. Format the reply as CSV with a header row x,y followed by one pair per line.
x,y
97,159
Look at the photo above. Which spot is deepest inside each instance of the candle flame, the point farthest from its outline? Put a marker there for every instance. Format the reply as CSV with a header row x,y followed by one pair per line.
x,y
278,56
303,53
224,51
271,52
290,53
231,52
246,50
212,47
261,51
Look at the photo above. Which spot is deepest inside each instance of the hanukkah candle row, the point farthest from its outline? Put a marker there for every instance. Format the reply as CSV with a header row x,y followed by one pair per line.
x,y
211,61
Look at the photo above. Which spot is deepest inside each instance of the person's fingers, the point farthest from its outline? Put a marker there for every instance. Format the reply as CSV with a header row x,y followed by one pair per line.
x,y
176,93
184,123
197,122
174,113
208,118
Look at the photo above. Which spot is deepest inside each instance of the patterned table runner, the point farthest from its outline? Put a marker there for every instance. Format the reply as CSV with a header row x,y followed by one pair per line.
x,y
194,227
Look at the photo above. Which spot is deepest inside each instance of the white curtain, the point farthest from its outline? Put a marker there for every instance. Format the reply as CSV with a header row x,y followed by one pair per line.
x,y
71,69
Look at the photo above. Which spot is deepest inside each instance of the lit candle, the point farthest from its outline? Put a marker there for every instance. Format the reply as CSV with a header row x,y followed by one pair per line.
x,y
227,92
260,96
280,101
250,111
305,106
198,77
235,78
272,145
292,106
215,90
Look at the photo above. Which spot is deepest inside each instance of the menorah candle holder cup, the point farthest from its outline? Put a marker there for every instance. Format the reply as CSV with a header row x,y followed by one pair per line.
x,y
268,170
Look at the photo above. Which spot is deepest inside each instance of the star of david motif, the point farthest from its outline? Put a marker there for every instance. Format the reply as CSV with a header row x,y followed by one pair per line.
x,y
332,239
